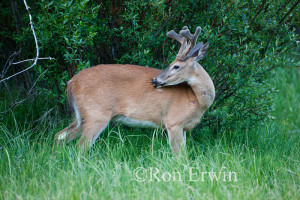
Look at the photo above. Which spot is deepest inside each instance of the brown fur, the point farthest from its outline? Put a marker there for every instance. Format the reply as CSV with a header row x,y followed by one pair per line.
x,y
126,92
104,91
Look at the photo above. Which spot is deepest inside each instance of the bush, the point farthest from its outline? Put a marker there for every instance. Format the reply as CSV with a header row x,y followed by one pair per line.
x,y
247,41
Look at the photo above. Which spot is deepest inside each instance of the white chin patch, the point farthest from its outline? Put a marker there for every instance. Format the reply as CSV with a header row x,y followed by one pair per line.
x,y
170,84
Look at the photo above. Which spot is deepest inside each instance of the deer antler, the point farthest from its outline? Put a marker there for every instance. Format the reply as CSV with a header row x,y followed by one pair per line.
x,y
182,37
191,37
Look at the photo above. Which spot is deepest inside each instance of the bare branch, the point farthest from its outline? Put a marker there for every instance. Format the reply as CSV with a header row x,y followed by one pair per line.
x,y
36,46
32,59
14,105
37,81
291,9
29,94
10,62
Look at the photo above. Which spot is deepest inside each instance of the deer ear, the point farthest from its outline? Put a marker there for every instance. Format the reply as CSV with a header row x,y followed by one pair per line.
x,y
195,50
202,51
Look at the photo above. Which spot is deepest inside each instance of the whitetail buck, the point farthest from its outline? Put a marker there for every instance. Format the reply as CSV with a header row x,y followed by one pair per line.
x,y
175,98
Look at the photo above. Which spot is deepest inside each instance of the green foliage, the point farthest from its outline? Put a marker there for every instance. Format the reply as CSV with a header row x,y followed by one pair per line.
x,y
248,39
65,30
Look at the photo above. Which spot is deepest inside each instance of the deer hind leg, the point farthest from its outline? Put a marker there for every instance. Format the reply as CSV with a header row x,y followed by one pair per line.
x,y
67,134
91,131
74,129
177,139
74,133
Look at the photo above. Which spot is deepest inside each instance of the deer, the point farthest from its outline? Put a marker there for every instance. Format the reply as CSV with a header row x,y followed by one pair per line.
x,y
174,99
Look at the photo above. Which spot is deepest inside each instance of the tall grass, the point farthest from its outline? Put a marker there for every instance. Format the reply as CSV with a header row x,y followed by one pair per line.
x,y
265,160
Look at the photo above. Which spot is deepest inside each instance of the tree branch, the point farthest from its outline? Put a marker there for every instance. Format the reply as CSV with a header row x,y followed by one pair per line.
x,y
36,46
10,62
32,59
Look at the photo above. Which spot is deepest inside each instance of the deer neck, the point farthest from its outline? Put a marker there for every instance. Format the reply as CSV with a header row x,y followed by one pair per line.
x,y
202,86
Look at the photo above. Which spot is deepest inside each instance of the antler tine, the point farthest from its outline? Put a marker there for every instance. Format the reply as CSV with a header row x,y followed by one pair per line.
x,y
179,38
192,37
182,37
175,36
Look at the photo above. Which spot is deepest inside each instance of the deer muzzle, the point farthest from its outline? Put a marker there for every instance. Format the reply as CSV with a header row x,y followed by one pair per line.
x,y
157,83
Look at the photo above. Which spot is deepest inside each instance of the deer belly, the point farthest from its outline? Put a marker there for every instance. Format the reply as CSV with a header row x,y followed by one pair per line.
x,y
133,122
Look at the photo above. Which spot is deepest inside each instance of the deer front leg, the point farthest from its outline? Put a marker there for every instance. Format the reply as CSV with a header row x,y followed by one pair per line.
x,y
177,139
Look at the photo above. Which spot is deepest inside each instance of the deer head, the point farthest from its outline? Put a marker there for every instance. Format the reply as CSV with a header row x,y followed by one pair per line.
x,y
183,67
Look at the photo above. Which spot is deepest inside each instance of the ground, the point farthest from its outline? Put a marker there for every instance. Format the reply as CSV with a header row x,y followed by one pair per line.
x,y
259,163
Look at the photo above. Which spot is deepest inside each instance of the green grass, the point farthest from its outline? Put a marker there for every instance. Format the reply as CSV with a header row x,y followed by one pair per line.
x,y
265,160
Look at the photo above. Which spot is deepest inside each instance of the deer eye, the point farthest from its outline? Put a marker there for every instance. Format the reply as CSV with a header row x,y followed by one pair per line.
x,y
176,67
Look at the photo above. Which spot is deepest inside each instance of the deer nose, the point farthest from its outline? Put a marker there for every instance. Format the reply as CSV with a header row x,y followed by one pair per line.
x,y
154,81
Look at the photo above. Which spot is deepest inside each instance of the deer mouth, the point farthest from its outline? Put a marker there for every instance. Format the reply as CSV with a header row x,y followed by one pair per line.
x,y
156,83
